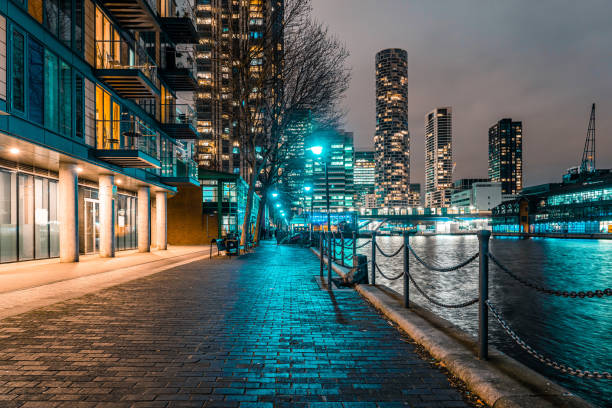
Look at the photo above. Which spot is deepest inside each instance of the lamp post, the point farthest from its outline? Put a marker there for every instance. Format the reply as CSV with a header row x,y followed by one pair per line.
x,y
308,189
318,151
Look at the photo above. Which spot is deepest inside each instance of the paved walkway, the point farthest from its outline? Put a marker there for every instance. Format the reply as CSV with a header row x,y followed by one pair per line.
x,y
250,332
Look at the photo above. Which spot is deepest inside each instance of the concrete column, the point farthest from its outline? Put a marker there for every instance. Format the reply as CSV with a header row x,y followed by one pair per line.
x,y
144,219
68,213
107,216
161,220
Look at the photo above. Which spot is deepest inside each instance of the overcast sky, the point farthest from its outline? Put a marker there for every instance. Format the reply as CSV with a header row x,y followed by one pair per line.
x,y
543,62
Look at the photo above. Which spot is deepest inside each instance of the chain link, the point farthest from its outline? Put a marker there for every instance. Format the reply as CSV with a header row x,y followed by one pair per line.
x,y
435,302
387,255
385,276
443,269
540,357
364,244
541,289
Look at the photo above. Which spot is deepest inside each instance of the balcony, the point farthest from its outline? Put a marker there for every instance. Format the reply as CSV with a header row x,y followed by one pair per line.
x,y
178,167
127,68
138,15
179,121
127,143
180,24
179,70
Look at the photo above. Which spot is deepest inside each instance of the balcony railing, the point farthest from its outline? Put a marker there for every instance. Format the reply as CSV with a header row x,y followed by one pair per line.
x,y
179,121
179,23
127,143
114,56
179,69
179,167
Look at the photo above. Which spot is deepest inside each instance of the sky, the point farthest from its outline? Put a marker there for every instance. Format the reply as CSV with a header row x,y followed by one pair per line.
x,y
542,62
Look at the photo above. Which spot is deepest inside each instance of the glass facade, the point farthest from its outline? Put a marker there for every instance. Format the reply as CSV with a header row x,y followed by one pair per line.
x,y
29,227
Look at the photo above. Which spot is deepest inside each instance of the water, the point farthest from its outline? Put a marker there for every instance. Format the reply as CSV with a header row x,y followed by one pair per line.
x,y
577,332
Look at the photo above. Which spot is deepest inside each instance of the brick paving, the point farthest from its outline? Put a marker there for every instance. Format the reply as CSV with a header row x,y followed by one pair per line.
x,y
250,332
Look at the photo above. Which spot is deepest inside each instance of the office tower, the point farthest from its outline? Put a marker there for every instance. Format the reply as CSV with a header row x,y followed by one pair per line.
x,y
506,155
392,139
339,155
414,197
91,130
299,129
466,183
228,30
364,177
438,157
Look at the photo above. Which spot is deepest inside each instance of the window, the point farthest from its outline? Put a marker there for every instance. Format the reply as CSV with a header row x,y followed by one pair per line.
x,y
78,25
79,105
51,91
51,15
65,99
35,78
18,74
65,21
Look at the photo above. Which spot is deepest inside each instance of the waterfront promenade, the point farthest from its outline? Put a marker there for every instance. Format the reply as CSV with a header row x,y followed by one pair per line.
x,y
256,331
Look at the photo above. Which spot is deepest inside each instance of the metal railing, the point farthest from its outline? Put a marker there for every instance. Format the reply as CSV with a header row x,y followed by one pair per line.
x,y
181,58
485,306
180,114
119,54
173,166
128,134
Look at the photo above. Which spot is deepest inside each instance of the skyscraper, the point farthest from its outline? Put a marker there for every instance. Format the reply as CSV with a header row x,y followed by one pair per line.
x,y
438,157
506,155
392,139
339,155
364,173
227,29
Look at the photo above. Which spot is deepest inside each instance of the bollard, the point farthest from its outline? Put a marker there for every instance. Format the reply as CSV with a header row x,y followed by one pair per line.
x,y
329,263
483,295
342,248
354,263
373,257
406,270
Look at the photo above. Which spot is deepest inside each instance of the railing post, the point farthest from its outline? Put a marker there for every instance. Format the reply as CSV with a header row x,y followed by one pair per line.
x,y
322,254
483,295
373,257
329,263
406,270
333,237
354,263
342,248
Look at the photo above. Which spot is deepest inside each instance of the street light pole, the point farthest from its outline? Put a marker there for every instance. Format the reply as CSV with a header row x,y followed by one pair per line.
x,y
327,195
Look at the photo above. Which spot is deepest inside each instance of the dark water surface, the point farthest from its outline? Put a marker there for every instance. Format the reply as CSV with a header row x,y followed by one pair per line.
x,y
576,332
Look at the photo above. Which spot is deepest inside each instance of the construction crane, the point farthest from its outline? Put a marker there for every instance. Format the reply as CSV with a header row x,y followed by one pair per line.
x,y
588,155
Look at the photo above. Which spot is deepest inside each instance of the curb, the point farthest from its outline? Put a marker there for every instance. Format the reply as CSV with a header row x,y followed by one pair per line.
x,y
501,381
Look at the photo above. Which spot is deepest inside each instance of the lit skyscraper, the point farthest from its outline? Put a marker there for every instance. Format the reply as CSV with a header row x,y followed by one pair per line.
x,y
392,139
438,157
364,173
506,155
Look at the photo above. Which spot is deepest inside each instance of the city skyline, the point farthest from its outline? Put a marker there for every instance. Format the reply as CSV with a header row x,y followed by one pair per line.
x,y
486,68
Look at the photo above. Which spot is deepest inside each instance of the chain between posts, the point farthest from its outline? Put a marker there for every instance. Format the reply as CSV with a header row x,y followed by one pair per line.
x,y
541,289
540,357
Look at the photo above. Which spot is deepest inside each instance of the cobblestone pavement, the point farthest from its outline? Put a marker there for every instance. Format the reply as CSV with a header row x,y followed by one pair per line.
x,y
250,332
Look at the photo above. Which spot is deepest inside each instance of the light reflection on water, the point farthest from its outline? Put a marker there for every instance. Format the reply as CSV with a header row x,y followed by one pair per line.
x,y
577,332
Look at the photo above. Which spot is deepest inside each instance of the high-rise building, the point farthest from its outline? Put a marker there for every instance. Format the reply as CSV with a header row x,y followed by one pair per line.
x,y
414,197
297,132
227,30
339,156
392,139
506,155
438,157
364,176
90,136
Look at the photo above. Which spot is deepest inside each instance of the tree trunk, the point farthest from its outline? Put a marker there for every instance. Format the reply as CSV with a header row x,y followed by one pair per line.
x,y
260,214
249,204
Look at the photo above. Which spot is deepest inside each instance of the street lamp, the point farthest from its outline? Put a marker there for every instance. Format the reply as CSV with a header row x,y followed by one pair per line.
x,y
318,151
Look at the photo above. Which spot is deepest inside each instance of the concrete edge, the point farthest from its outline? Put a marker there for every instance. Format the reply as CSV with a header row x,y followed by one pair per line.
x,y
501,381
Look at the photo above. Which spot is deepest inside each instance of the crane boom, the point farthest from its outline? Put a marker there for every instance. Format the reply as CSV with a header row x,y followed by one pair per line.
x,y
588,155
